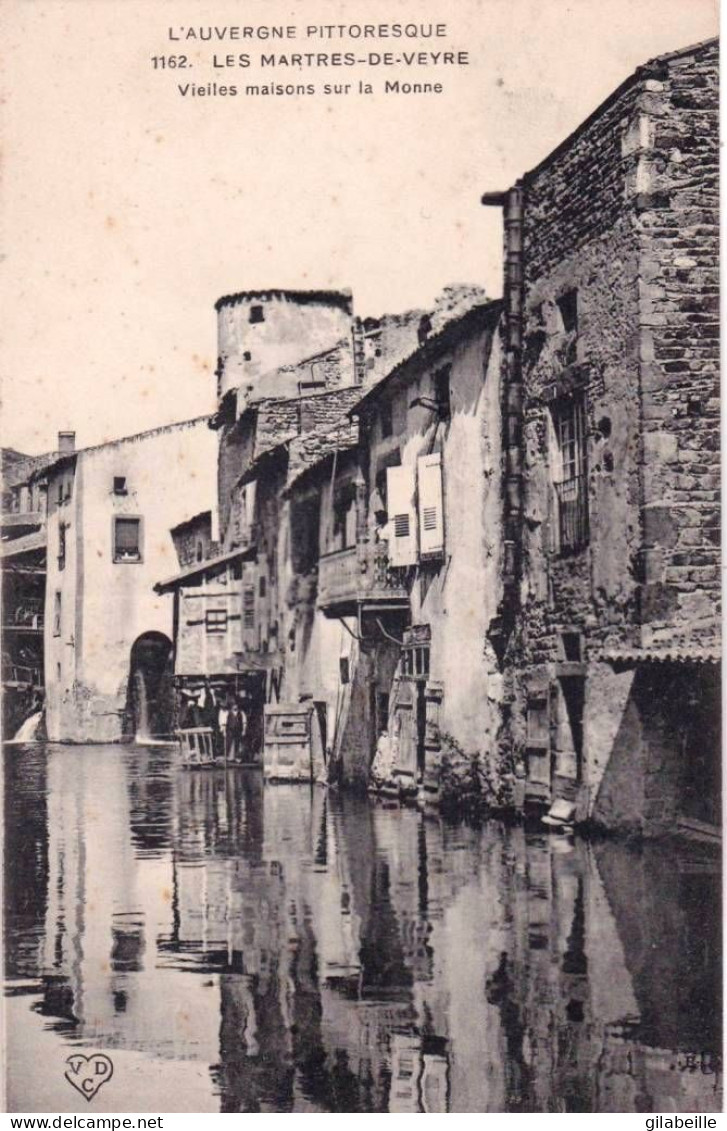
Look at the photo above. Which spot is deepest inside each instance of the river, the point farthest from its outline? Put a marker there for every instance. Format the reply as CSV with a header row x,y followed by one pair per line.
x,y
245,948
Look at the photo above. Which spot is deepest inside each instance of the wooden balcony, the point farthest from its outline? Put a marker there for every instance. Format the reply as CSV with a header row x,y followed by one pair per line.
x,y
359,578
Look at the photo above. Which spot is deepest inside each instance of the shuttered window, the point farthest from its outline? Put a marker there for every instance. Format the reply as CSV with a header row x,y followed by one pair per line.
x,y
431,519
248,608
127,539
400,491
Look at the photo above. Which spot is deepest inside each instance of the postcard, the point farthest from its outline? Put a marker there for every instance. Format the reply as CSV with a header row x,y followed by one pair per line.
x,y
361,567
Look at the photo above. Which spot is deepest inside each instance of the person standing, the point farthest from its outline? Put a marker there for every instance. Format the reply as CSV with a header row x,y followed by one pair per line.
x,y
235,731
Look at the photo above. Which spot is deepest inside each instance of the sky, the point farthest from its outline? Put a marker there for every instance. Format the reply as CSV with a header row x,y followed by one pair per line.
x,y
127,210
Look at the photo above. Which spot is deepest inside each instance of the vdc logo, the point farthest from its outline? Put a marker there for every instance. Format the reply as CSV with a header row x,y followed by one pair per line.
x,y
88,1073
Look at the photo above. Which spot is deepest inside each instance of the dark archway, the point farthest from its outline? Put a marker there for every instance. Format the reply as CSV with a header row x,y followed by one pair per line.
x,y
150,699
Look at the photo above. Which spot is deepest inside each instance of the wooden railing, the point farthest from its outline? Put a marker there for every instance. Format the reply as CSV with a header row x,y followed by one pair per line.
x,y
358,573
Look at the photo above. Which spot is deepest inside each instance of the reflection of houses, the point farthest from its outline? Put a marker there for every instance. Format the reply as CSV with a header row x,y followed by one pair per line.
x,y
107,634
611,384
23,586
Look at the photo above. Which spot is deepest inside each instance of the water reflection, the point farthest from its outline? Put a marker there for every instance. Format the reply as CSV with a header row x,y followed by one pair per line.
x,y
301,951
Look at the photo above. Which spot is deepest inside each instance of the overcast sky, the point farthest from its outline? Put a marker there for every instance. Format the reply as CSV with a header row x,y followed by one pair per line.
x,y
128,210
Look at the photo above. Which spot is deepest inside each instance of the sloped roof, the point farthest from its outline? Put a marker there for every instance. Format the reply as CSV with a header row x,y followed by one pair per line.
x,y
476,318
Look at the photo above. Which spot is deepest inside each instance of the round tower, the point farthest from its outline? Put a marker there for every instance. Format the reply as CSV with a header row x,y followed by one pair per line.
x,y
258,331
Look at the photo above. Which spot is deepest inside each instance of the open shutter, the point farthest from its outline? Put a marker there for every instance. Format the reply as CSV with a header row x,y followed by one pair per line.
x,y
402,516
431,519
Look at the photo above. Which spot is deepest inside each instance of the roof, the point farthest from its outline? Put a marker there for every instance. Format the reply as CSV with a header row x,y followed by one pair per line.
x,y
653,68
200,568
320,446
35,541
63,459
29,467
192,520
476,318
693,653
342,299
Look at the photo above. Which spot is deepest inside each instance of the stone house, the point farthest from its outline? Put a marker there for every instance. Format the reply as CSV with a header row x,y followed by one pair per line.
x,y
107,634
609,621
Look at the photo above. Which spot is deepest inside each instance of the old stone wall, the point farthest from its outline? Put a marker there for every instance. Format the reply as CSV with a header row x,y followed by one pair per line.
x,y
678,230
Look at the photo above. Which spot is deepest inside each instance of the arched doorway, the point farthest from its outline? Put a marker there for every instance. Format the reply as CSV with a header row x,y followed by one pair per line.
x,y
150,700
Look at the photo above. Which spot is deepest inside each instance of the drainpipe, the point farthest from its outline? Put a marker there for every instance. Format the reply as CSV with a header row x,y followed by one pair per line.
x,y
511,203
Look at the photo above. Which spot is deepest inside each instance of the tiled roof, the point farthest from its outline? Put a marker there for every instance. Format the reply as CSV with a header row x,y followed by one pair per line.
x,y
695,653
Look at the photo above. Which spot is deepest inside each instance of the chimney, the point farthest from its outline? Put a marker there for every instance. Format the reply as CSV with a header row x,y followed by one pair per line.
x,y
66,442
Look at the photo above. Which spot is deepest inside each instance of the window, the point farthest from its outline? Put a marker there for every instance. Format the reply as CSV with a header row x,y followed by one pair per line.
x,y
62,545
127,539
442,393
415,661
344,518
216,621
67,485
570,473
57,614
120,485
248,608
262,587
257,314
568,308
60,491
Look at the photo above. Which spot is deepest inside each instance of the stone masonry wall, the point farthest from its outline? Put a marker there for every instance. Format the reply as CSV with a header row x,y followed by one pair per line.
x,y
678,227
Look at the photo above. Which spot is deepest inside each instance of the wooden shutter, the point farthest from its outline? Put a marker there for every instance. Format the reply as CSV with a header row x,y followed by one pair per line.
x,y
402,515
431,519
248,617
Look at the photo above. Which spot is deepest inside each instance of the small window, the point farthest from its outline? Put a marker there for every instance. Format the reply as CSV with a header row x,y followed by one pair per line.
x,y
57,614
127,539
442,393
415,661
216,621
386,417
262,587
247,356
120,485
200,551
60,491
62,545
67,485
257,314
568,307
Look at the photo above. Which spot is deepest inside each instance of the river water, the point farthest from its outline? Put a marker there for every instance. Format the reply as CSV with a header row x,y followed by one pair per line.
x,y
239,948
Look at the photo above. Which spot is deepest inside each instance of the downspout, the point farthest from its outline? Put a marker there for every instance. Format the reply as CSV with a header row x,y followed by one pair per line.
x,y
512,204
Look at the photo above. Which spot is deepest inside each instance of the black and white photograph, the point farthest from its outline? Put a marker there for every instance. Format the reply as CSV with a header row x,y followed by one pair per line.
x,y
361,566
